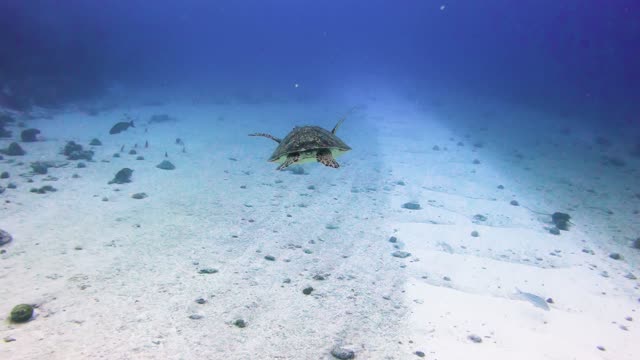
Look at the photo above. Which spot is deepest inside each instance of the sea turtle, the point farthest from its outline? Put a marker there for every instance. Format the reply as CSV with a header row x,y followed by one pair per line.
x,y
308,144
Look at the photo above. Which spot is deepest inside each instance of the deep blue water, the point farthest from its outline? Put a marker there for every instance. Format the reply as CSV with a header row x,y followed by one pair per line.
x,y
577,57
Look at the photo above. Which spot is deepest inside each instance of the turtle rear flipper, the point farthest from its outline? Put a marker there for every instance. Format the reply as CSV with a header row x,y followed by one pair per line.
x,y
326,158
291,158
268,136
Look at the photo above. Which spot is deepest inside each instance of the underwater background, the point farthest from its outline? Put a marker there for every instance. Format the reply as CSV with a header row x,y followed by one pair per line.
x,y
488,204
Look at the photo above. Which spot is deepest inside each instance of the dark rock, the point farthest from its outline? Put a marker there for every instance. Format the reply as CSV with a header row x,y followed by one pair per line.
x,y
420,354
393,239
636,243
200,301
29,135
240,323
554,231
435,148
342,353
139,195
475,233
43,190
195,316
270,258
21,313
601,348
476,161
116,155
4,175
307,290
296,170
561,220
81,155
95,142
479,217
615,256
475,338
122,177
550,301
139,157
400,254
81,165
501,187
12,185
5,237
71,147
40,168
14,149
166,165
514,203
132,152
4,133
207,271
412,205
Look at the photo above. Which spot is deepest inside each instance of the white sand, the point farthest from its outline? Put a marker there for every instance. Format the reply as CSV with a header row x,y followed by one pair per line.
x,y
129,292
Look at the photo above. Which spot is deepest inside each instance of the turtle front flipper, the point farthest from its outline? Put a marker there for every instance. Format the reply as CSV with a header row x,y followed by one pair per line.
x,y
291,158
326,158
268,136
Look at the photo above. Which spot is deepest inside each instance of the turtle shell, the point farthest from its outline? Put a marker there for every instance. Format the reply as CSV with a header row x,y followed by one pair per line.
x,y
307,138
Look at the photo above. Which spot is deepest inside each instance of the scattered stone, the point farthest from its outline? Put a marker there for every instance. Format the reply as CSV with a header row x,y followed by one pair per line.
x,y
501,187
412,205
195,316
4,175
43,190
116,155
393,239
14,149
554,230
514,203
342,353
400,254
139,195
11,185
240,323
21,313
318,277
122,177
307,290
166,165
29,135
105,199
132,152
208,271
270,258
475,233
139,157
74,151
420,354
476,161
78,247
81,165
550,301
95,142
475,338
479,217
615,256
561,220
200,301
636,244
5,237
296,170
400,182
601,348
630,276
40,167
9,339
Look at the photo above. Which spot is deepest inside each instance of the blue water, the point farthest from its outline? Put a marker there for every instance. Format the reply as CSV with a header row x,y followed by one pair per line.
x,y
470,122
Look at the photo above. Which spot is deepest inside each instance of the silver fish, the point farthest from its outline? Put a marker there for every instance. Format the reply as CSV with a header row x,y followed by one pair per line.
x,y
536,300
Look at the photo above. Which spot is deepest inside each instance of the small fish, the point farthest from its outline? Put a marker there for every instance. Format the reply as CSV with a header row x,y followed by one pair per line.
x,y
120,127
536,300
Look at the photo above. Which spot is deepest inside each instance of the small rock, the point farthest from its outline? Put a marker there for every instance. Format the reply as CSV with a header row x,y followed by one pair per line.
x,y
29,135
270,258
550,301
139,157
139,195
166,165
420,354
132,152
11,185
479,217
208,271
9,339
554,231
601,348
240,323
435,148
475,233
615,256
411,205
14,149
307,290
21,313
630,276
476,161
342,353
195,316
393,239
636,244
475,338
200,301
4,175
81,165
514,203
5,237
400,254
501,187
95,142
122,177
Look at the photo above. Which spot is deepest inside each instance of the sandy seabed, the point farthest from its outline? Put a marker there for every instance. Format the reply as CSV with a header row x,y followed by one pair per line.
x,y
120,278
